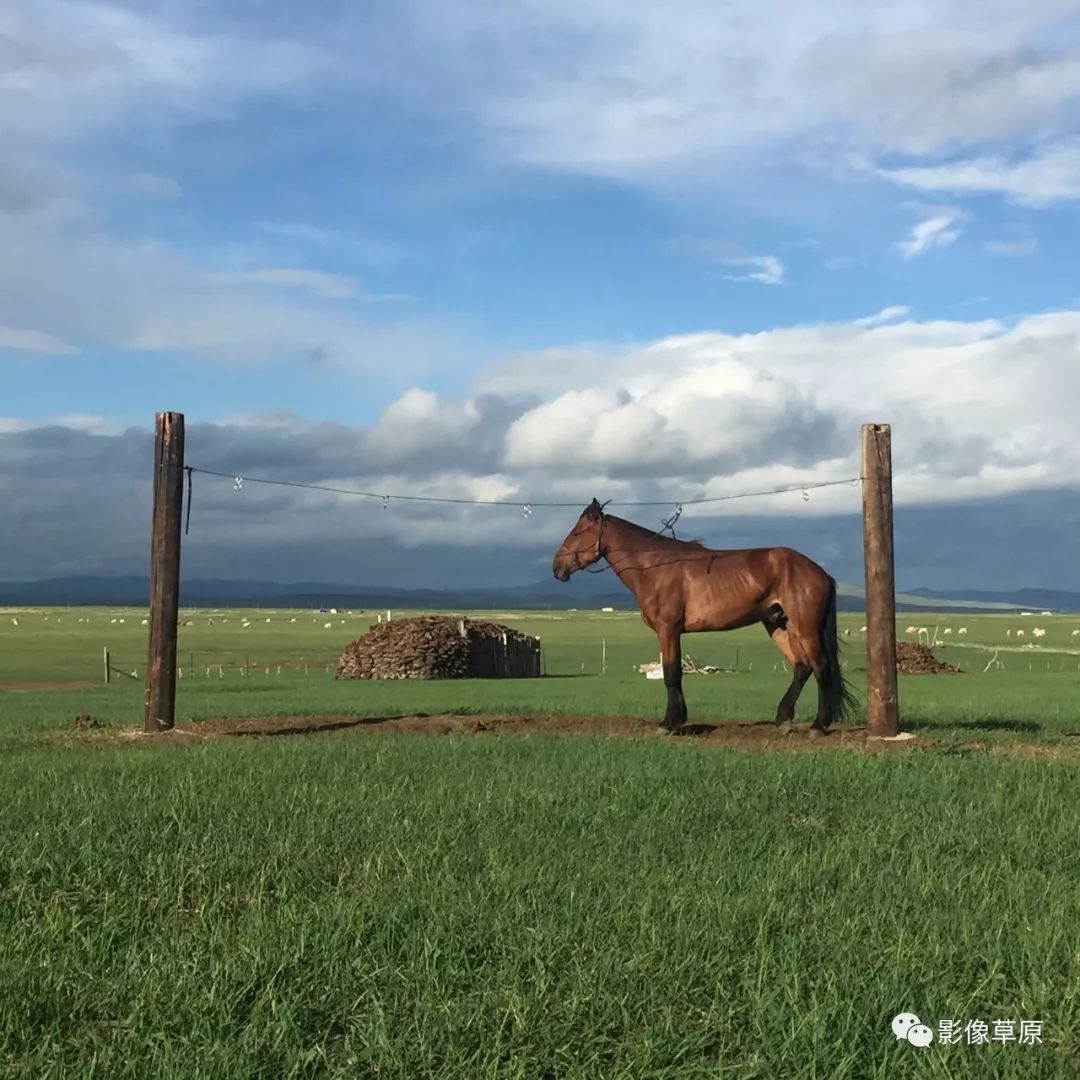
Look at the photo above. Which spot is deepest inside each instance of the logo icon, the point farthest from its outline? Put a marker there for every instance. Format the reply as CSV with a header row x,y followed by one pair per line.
x,y
907,1027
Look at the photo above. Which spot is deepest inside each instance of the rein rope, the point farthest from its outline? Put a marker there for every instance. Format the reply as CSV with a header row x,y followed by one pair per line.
x,y
599,539
666,525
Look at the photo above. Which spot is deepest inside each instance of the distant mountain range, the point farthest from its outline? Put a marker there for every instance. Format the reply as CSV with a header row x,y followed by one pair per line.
x,y
581,591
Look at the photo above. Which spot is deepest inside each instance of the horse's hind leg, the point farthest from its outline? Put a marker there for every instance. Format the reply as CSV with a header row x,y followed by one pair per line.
x,y
785,711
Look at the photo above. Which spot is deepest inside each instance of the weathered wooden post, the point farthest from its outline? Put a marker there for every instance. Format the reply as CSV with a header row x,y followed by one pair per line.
x,y
882,710
165,571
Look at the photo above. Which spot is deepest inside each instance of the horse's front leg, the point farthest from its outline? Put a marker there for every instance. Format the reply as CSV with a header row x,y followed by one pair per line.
x,y
671,658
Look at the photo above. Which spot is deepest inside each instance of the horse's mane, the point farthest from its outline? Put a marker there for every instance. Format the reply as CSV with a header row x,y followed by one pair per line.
x,y
657,541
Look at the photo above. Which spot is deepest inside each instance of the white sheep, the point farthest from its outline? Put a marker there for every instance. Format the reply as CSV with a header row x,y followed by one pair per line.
x,y
14,622
1038,631
962,630
862,629
1019,633
947,630
328,626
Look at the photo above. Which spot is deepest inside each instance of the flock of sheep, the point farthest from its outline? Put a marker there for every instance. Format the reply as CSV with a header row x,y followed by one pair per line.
x,y
245,622
916,631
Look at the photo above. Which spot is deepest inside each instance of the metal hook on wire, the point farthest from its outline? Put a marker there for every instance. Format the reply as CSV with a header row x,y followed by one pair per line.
x,y
668,524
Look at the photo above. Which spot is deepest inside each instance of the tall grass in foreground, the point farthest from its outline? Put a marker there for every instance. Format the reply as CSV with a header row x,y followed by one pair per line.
x,y
530,907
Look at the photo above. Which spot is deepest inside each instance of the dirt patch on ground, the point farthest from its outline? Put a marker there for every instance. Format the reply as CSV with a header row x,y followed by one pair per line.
x,y
751,735
915,659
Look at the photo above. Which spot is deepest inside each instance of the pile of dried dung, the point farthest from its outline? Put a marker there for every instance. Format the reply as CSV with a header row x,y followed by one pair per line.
x,y
915,659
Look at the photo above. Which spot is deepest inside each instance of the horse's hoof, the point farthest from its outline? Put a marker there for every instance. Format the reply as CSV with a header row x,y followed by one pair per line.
x,y
784,728
816,732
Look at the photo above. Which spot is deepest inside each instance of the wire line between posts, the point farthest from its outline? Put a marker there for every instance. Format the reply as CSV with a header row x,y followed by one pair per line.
x,y
522,503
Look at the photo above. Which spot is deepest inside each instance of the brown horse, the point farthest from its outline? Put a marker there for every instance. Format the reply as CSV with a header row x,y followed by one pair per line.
x,y
683,587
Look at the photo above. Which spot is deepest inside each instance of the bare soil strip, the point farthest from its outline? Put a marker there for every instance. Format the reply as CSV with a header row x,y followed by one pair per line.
x,y
754,735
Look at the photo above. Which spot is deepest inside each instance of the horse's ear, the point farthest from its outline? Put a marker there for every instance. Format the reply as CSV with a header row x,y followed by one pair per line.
x,y
592,511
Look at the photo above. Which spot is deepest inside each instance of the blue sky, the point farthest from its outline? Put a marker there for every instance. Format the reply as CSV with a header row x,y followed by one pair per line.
x,y
271,217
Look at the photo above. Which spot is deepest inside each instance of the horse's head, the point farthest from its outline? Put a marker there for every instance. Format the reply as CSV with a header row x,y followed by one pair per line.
x,y
582,546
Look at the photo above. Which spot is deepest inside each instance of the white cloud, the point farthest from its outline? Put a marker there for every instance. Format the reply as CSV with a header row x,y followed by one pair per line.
x,y
73,66
418,422
978,410
638,92
936,231
1050,174
91,289
1013,247
362,248
767,269
318,283
36,341
84,422
632,92
885,315
730,406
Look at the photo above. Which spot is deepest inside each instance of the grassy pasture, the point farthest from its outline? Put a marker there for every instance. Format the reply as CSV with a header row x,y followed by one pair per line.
x,y
530,905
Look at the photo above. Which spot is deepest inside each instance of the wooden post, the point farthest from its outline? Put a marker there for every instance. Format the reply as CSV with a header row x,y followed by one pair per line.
x,y
165,571
108,666
882,712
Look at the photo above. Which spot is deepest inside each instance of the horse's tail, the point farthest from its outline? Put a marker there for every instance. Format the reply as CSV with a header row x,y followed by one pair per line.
x,y
837,696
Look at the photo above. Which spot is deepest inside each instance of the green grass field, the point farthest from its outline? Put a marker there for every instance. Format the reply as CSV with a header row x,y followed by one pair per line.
x,y
530,905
